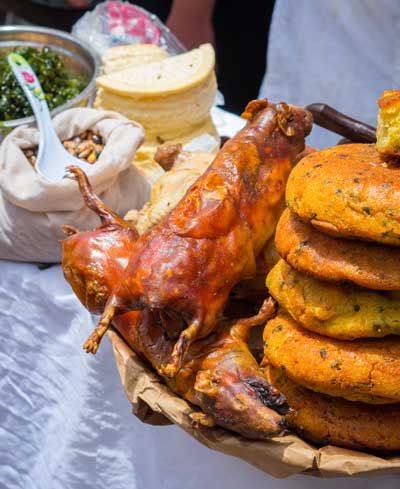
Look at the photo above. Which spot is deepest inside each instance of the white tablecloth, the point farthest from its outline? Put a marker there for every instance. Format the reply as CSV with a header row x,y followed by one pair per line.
x,y
65,421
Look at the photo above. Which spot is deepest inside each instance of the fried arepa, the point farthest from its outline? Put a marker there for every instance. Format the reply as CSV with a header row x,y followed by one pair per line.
x,y
349,191
388,129
366,370
370,265
343,311
329,420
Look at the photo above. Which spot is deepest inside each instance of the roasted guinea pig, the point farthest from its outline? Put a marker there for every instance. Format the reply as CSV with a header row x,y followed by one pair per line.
x,y
186,266
219,374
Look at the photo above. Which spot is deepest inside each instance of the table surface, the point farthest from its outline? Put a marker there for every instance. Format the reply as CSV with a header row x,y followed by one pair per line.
x,y
65,422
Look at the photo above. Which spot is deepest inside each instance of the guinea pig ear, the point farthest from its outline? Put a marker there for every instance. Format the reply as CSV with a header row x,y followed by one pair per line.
x,y
253,108
285,119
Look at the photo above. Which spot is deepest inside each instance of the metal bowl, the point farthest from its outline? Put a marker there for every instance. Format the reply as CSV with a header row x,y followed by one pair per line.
x,y
79,59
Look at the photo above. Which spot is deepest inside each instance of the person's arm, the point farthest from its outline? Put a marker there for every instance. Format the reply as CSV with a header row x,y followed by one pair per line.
x,y
79,3
191,22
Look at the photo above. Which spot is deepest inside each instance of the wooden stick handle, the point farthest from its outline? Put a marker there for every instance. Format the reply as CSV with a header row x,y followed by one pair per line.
x,y
329,118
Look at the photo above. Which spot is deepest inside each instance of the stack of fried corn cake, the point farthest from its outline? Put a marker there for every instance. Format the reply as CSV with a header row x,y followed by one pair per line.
x,y
333,349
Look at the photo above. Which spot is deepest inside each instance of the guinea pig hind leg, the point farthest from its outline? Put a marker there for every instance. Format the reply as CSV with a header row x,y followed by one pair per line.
x,y
181,347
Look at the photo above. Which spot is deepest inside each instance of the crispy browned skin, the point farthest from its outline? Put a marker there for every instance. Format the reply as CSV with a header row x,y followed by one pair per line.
x,y
366,370
369,265
219,373
94,260
348,191
188,264
329,420
253,289
342,311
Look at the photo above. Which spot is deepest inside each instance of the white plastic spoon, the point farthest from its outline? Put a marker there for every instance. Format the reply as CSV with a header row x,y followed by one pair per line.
x,y
52,158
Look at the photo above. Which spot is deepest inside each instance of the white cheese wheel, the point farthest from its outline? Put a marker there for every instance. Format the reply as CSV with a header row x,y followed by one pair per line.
x,y
122,57
171,75
168,117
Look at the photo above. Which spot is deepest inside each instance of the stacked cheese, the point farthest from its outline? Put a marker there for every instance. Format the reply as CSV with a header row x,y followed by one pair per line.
x,y
171,96
122,57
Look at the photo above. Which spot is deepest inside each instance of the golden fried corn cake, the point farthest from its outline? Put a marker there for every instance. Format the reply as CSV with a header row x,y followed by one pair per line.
x,y
366,370
370,265
340,311
388,129
349,191
329,420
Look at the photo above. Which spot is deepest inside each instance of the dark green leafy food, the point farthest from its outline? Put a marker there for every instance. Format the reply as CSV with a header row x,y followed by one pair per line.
x,y
59,85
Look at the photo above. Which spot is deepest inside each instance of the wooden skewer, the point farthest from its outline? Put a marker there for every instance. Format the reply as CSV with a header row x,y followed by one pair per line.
x,y
329,118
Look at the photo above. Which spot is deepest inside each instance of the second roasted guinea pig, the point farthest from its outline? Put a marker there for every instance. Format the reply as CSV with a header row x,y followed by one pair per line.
x,y
219,373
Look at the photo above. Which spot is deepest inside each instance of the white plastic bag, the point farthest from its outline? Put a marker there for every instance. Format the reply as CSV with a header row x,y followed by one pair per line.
x,y
33,209
115,23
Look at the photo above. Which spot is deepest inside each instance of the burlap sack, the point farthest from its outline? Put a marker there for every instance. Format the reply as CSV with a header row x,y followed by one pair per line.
x,y
33,209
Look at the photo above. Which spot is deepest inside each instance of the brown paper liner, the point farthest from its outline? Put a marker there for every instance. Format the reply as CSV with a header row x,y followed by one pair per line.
x,y
154,403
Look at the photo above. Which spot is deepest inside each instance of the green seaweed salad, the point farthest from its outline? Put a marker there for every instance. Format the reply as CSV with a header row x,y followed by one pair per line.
x,y
59,85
